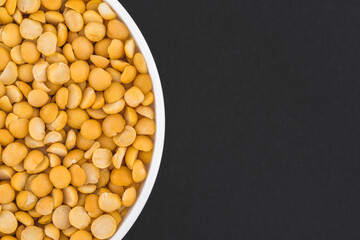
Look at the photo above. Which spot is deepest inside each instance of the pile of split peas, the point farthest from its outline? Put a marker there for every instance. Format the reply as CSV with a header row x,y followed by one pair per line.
x,y
76,120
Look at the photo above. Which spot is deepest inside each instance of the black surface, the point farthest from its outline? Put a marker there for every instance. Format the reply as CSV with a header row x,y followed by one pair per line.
x,y
263,113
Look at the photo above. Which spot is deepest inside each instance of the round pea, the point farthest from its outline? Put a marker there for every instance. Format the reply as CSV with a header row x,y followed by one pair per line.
x,y
117,30
28,6
46,43
79,218
114,92
23,110
106,12
79,71
76,117
11,35
37,128
14,153
58,73
60,217
82,47
60,177
103,227
121,176
134,96
143,143
26,200
30,29
19,128
102,158
99,79
18,180
74,20
92,205
38,98
91,129
109,202
113,124
143,81
78,175
7,193
8,222
49,112
45,205
41,185
145,126
129,197
32,233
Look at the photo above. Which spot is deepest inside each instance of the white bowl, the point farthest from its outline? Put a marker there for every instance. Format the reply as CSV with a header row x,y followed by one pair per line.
x,y
154,165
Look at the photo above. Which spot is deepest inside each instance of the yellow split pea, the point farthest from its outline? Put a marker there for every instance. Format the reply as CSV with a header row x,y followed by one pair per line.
x,y
76,120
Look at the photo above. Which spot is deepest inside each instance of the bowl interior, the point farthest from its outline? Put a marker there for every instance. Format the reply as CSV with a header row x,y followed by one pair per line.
x,y
154,165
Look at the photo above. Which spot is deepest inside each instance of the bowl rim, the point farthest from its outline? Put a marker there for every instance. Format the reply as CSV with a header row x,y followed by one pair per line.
x,y
154,165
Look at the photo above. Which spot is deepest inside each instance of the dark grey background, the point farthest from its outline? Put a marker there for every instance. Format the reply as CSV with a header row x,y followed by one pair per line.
x,y
263,114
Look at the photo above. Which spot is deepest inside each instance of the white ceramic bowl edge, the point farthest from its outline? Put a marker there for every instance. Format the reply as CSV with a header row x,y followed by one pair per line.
x,y
154,165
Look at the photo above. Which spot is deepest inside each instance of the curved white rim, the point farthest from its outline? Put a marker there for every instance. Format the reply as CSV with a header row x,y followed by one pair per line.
x,y
154,165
